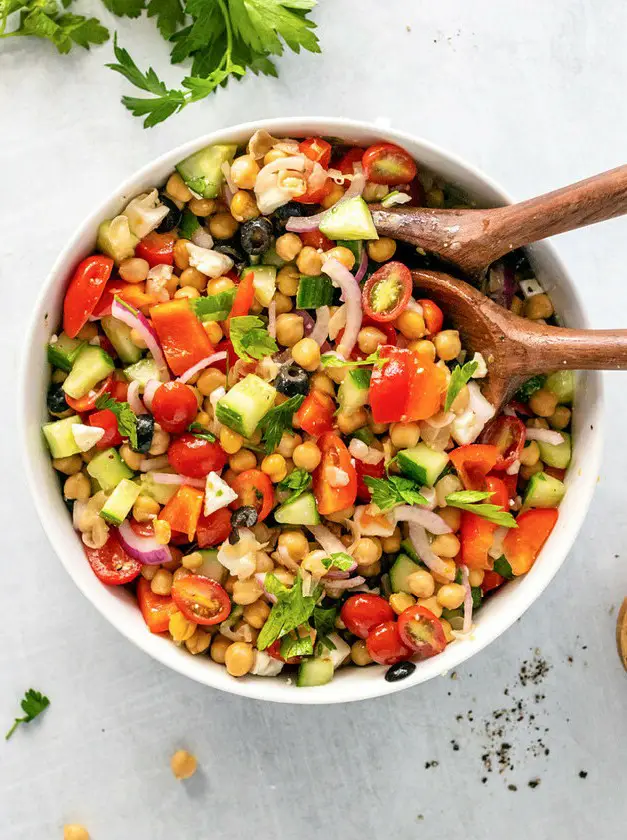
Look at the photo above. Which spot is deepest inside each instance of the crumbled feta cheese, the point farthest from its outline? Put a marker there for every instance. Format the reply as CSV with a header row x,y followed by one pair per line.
x,y
86,436
208,262
145,213
265,665
218,494
240,559
157,281
340,653
482,368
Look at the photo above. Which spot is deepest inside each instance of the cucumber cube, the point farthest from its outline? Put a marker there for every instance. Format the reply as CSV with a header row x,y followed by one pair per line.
x,y
119,504
108,469
59,437
422,463
245,404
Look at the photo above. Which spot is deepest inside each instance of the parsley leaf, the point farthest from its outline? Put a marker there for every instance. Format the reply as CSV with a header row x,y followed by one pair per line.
x,y
299,481
188,226
169,14
477,597
126,417
201,432
459,377
278,420
45,19
467,500
528,388
250,337
125,8
395,490
33,704
338,560
214,307
296,645
331,360
324,622
503,568
290,611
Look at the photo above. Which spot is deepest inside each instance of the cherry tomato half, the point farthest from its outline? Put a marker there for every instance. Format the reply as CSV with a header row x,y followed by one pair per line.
x,y
316,240
157,249
385,645
111,564
174,406
106,420
315,196
346,164
157,610
88,402
201,599
361,613
364,493
254,489
491,580
315,416
196,457
433,316
508,435
421,631
85,290
329,498
387,291
213,529
388,164
317,149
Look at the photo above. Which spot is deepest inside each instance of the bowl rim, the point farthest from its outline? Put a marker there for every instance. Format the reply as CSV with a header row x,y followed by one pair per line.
x,y
271,689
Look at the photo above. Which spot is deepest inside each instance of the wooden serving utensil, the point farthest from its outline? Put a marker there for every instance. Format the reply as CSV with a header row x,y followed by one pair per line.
x,y
473,239
515,348
621,633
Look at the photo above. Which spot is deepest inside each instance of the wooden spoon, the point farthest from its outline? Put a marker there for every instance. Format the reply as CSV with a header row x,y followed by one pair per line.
x,y
621,633
473,239
515,348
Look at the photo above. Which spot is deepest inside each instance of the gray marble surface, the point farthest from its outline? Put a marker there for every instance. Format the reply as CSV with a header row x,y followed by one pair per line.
x,y
534,94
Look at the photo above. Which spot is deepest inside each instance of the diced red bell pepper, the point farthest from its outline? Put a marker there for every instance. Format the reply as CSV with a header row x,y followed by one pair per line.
x,y
473,462
243,300
476,536
405,388
155,609
523,544
315,416
491,580
181,335
132,293
183,510
157,249
106,420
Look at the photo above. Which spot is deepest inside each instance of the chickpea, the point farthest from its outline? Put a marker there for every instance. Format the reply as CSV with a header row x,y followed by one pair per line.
x,y
131,458
401,601
448,572
148,572
307,456
475,577
223,226
87,332
243,206
538,306
309,261
321,382
452,516
242,460
382,249
219,284
160,441
199,642
447,345
239,658
272,155
192,561
374,192
219,647
181,254
288,444
180,627
263,561
411,324
183,764
202,206
70,465
530,455
186,293
342,254
348,423
314,565
449,484
516,306
306,353
435,197
289,329
359,653
288,246
282,303
537,423
337,374
274,466
432,605
370,569
560,418
295,543
448,630
181,572
423,347
341,515
244,171
369,338
163,532
214,331
404,435
161,584
194,279
446,545
58,377
230,441
177,189
392,544
246,591
367,551
543,403
377,428
75,832
527,471
209,380
337,191
256,613
77,487
451,596
133,270
284,576
421,584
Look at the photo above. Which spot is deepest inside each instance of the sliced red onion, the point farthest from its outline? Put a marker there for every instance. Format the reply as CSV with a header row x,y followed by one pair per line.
x,y
202,238
227,195
149,392
545,436
134,319
320,331
145,549
329,542
425,518
335,587
158,463
358,182
337,574
467,600
174,478
496,549
201,365
272,318
226,171
260,577
431,497
351,295
133,398
363,266
420,541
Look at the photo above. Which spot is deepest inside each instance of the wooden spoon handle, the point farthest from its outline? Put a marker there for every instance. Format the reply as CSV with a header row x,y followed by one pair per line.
x,y
544,349
594,200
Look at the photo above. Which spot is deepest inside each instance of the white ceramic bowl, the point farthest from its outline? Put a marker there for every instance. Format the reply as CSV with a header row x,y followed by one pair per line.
x,y
120,608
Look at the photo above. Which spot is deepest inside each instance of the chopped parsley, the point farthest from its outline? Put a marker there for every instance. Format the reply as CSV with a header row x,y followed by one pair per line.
x,y
298,481
503,568
528,388
459,377
290,611
250,338
468,500
331,360
324,621
126,417
201,432
296,645
33,704
394,490
278,420
214,307
339,560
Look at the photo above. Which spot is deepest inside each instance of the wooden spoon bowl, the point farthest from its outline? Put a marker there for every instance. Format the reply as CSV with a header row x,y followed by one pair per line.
x,y
515,348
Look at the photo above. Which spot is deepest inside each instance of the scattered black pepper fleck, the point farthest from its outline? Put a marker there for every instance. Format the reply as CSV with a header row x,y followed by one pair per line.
x,y
570,660
583,774
484,780
533,783
430,764
455,746
459,718
512,787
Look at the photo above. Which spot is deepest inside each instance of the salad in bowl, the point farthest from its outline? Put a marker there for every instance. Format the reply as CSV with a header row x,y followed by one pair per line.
x,y
271,438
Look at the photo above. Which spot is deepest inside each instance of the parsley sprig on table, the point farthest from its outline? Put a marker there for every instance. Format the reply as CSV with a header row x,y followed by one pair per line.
x,y
48,19
33,704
